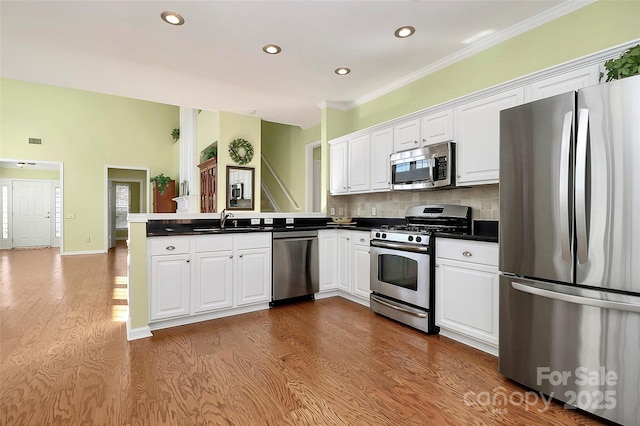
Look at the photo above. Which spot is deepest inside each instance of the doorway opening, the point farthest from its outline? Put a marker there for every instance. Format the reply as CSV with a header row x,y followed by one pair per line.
x,y
126,193
313,177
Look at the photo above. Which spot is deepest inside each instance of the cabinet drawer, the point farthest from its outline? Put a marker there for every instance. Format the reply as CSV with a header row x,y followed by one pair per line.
x,y
361,238
173,245
214,243
253,240
468,251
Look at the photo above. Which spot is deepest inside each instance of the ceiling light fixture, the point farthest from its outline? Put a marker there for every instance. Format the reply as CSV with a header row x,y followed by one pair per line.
x,y
342,71
271,49
404,32
172,18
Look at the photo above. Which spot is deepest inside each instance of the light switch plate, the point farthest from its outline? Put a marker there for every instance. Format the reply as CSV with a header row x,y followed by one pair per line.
x,y
70,215
255,221
268,221
333,211
374,211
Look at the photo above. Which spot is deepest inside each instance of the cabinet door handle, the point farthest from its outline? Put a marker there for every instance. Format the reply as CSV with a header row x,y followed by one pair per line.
x,y
437,265
415,141
170,248
362,240
240,255
466,253
231,257
188,260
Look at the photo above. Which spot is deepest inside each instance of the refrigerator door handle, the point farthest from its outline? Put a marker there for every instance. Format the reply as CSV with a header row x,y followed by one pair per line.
x,y
581,300
565,158
581,185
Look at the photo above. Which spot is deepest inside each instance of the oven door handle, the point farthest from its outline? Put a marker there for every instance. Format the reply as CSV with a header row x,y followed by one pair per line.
x,y
399,308
400,246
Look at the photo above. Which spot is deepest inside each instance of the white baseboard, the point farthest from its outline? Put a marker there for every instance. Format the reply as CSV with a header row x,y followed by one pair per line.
x,y
75,253
175,322
137,333
326,294
357,299
469,341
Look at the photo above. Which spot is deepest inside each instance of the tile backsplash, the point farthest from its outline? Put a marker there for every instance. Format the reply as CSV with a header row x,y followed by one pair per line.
x,y
483,199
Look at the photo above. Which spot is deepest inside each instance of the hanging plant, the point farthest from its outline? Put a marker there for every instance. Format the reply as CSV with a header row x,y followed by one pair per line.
x,y
175,134
241,151
161,182
626,65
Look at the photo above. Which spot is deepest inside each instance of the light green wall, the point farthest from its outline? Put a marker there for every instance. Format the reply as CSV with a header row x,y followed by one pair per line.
x,y
11,173
284,149
233,126
85,131
595,27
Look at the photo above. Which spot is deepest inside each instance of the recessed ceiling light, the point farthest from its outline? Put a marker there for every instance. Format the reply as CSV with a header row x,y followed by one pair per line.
x,y
404,32
172,18
342,71
271,49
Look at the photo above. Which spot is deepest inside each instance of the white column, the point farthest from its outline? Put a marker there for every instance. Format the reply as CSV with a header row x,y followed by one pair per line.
x,y
188,203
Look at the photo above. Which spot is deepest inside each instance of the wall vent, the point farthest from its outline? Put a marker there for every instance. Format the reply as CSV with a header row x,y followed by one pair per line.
x,y
35,141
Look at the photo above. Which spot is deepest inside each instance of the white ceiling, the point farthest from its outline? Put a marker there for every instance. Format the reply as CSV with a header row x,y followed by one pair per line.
x,y
215,60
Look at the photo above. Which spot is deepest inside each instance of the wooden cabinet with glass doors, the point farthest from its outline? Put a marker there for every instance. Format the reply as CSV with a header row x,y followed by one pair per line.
x,y
208,185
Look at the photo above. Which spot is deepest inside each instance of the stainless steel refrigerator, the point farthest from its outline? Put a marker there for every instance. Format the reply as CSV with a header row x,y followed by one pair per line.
x,y
570,248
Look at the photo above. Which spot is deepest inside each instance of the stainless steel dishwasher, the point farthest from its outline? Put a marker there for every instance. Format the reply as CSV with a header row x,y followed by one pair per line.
x,y
295,265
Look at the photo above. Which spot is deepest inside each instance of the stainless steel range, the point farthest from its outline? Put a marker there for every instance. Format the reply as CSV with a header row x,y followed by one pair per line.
x,y
403,266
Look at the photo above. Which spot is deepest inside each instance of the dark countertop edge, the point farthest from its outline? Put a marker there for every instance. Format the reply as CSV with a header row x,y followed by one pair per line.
x,y
230,230
485,238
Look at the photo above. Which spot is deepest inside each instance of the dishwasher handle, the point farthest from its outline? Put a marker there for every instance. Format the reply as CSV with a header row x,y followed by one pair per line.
x,y
290,235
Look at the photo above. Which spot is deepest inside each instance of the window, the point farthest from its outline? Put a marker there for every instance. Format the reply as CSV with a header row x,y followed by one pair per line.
x,y
5,212
123,202
58,210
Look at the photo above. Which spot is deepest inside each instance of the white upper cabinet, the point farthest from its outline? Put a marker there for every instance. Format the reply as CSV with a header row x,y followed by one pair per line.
x,y
381,149
359,164
338,165
406,135
437,127
478,139
563,83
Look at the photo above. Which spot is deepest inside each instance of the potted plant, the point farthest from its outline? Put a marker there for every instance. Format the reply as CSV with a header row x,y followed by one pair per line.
x,y
175,134
161,182
626,65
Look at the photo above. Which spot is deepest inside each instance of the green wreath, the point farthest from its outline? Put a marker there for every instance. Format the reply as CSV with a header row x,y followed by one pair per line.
x,y
241,151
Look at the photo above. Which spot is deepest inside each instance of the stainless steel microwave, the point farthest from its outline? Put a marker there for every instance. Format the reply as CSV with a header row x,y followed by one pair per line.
x,y
429,167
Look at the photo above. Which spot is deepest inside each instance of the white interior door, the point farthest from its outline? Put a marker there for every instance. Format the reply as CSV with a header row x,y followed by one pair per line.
x,y
31,213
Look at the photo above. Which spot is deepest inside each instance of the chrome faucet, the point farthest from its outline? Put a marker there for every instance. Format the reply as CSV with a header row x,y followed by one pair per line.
x,y
224,216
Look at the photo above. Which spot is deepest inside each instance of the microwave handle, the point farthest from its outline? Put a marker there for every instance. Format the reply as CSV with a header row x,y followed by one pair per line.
x,y
432,164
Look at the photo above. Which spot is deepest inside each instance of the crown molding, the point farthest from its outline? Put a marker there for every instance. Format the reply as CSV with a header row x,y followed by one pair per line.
x,y
499,37
339,105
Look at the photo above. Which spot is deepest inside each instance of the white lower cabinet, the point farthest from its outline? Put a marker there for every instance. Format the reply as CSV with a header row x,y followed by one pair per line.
x,y
204,274
253,276
327,247
170,276
360,261
344,261
467,292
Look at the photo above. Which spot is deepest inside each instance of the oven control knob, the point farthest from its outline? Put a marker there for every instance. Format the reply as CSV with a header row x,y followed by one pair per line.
x,y
410,237
384,235
377,235
418,239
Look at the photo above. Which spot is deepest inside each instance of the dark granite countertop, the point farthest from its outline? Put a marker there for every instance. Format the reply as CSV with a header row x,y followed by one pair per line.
x,y
483,230
166,228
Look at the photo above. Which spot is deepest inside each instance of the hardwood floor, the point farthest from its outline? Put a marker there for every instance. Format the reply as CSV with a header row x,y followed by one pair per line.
x,y
65,360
